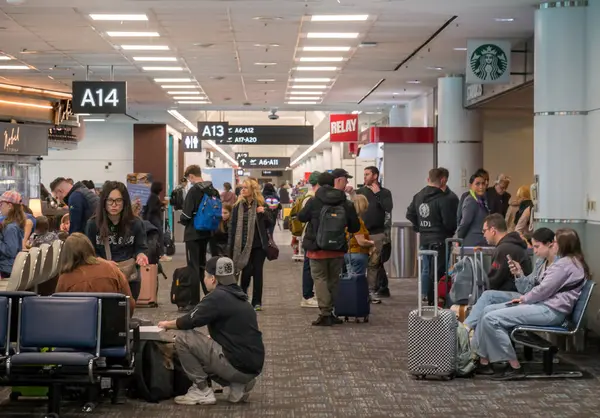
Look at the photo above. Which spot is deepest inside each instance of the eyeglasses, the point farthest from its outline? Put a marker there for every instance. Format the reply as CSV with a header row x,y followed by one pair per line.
x,y
114,202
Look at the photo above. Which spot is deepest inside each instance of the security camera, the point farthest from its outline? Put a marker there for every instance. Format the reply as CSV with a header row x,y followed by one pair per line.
x,y
273,115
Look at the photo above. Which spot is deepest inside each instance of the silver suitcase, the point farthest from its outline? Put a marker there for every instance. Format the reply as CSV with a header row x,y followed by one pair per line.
x,y
431,338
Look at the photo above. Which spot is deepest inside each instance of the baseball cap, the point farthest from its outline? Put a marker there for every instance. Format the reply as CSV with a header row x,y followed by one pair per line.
x,y
314,178
222,268
340,172
11,196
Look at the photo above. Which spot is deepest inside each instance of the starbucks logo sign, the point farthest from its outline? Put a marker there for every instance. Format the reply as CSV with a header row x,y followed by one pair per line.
x,y
488,62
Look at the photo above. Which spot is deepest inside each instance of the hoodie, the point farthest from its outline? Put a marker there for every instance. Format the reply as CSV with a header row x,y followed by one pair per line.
x,y
311,213
500,277
232,323
193,198
82,206
379,204
433,214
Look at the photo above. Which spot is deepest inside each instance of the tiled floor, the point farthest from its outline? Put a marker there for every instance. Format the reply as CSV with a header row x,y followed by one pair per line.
x,y
353,370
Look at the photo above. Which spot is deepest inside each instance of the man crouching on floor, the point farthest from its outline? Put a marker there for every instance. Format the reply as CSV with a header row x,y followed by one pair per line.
x,y
233,354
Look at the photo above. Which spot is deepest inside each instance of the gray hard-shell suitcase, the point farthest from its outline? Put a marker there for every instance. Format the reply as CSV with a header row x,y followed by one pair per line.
x,y
431,337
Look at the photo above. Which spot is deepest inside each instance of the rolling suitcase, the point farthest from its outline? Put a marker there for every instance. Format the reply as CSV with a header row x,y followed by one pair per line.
x,y
352,299
149,288
431,339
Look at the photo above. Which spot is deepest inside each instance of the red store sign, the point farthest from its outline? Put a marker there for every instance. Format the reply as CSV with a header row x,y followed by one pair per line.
x,y
343,128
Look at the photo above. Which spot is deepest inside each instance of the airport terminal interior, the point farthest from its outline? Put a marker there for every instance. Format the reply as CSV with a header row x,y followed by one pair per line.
x,y
270,173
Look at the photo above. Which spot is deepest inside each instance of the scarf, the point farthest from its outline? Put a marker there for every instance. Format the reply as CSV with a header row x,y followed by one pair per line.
x,y
480,201
524,205
242,255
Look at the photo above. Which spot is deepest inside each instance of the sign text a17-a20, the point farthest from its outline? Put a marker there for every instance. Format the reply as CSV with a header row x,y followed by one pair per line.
x,y
99,97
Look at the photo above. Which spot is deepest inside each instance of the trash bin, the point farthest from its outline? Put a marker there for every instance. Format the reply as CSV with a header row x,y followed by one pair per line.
x,y
403,262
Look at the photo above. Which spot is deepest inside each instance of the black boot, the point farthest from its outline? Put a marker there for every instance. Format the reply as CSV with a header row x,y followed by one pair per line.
x,y
323,321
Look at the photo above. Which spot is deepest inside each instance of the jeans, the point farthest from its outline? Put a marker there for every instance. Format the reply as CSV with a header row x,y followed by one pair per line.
x,y
356,263
254,271
493,333
196,258
489,297
375,261
326,274
307,281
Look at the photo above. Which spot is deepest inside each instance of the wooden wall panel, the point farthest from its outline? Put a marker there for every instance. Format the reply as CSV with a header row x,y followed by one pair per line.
x,y
150,150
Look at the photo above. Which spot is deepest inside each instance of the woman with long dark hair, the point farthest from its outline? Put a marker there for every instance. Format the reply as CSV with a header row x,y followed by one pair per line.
x,y
117,234
11,231
474,210
153,213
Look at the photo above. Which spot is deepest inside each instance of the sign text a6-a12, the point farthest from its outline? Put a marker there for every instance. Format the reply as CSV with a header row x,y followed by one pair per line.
x,y
343,128
99,97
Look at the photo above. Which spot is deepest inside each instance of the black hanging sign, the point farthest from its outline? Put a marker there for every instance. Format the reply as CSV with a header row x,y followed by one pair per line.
x,y
99,97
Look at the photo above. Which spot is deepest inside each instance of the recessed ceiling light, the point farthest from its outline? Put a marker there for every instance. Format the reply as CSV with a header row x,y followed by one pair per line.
x,y
312,80
309,93
144,47
266,45
265,64
326,48
193,102
5,58
460,49
118,17
157,59
435,68
338,18
321,59
179,86
133,34
186,98
504,19
304,98
94,120
302,68
267,18
173,80
332,35
265,80
162,68
183,92
14,67
413,82
302,103
309,86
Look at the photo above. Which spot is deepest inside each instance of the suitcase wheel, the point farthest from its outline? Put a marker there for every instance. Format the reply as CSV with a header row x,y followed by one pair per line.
x,y
366,319
346,319
420,377
357,320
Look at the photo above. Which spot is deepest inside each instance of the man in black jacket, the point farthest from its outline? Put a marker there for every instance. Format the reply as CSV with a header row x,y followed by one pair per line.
x,y
196,241
233,353
82,202
433,214
380,203
326,264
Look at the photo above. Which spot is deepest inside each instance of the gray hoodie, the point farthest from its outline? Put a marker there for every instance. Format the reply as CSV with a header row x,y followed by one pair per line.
x,y
563,272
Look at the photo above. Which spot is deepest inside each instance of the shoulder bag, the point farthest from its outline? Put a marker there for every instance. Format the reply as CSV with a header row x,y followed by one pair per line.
x,y
127,267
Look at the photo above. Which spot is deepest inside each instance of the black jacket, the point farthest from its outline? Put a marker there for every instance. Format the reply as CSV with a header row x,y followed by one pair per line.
x,y
82,206
379,204
326,195
193,198
496,202
232,323
433,214
121,247
499,275
263,222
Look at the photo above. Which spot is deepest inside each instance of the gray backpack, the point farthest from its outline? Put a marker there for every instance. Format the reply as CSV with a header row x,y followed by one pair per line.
x,y
465,361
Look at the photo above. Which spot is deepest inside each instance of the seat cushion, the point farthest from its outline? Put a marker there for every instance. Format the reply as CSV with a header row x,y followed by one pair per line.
x,y
55,358
114,352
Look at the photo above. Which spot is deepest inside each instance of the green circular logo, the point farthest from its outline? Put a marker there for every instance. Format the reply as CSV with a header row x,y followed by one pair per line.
x,y
488,62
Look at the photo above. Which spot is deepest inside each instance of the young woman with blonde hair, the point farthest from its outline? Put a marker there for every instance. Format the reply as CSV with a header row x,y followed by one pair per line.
x,y
518,217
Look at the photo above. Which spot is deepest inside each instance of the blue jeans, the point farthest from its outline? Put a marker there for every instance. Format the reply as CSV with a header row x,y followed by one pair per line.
x,y
489,297
493,333
307,280
356,263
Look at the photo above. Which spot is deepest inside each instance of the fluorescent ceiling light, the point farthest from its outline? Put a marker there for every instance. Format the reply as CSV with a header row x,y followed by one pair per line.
x,y
183,92
94,120
307,93
164,59
265,64
321,59
173,80
189,98
309,86
504,19
326,48
14,67
310,149
162,68
339,18
332,35
303,68
312,80
305,98
5,58
356,112
179,86
118,17
133,34
38,106
193,102
145,47
265,80
83,114
303,103
460,49
413,82
435,68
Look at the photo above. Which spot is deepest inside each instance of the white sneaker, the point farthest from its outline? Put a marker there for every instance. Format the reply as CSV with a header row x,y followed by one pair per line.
x,y
196,396
239,392
309,303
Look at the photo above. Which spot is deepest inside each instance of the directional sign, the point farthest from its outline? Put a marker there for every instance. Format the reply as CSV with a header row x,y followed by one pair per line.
x,y
216,131
240,155
191,143
264,162
99,97
273,173
268,135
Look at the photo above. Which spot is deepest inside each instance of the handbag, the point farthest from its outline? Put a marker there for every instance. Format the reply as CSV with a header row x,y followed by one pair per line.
x,y
127,267
272,249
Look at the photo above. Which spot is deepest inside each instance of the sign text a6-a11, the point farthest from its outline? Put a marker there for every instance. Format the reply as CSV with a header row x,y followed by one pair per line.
x,y
343,128
99,97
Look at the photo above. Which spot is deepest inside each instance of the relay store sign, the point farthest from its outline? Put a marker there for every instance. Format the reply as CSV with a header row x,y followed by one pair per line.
x,y
264,162
191,143
99,97
343,128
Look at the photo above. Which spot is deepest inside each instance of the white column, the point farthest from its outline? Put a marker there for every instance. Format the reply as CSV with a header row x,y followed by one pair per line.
x,y
460,148
398,116
319,162
336,155
198,158
420,111
593,117
327,160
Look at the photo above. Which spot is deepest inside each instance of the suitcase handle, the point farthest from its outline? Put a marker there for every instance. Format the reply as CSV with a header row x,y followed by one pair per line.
x,y
422,253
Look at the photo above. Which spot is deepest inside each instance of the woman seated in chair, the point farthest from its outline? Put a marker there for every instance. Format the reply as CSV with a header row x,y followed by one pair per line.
x,y
11,231
81,271
547,304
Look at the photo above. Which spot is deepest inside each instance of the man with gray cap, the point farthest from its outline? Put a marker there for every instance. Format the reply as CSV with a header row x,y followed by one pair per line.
x,y
233,353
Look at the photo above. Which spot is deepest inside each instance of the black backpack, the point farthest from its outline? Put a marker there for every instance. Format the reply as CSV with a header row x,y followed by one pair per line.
x,y
181,287
331,235
177,198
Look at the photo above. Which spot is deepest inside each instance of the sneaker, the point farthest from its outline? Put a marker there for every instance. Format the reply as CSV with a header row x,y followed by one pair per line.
x,y
336,320
510,373
166,259
195,396
309,303
383,293
323,321
257,308
484,369
374,299
239,392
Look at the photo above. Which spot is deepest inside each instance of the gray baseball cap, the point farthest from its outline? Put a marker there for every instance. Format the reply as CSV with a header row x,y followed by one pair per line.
x,y
223,269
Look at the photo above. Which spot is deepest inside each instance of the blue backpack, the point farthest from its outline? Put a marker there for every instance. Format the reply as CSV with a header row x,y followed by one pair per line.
x,y
209,214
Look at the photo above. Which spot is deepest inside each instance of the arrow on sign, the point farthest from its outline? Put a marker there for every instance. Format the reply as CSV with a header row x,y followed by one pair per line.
x,y
243,161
